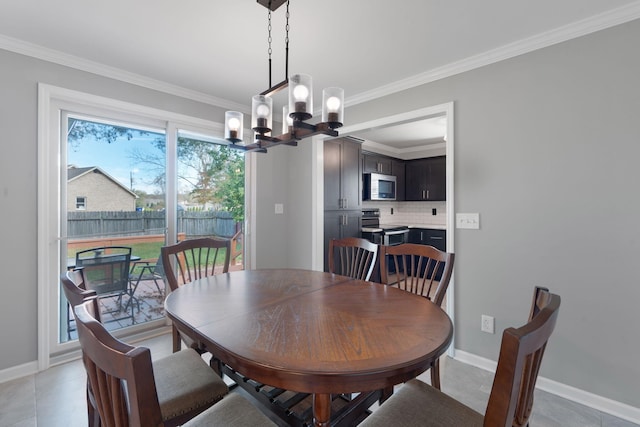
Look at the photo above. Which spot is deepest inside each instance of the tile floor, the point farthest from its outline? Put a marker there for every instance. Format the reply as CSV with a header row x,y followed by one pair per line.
x,y
56,397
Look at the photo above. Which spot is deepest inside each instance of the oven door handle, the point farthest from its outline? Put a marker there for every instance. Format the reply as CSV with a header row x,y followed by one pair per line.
x,y
393,233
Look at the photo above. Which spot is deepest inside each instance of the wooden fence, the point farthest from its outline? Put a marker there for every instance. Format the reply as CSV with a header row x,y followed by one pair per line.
x,y
82,225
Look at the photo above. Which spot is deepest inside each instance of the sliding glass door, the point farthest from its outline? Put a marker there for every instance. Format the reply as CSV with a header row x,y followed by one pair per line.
x,y
115,175
114,197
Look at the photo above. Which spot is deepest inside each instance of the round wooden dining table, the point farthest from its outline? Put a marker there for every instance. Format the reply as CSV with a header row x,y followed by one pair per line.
x,y
312,332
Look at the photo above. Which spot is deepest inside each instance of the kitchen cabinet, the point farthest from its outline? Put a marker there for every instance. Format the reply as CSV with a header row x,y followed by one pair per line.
x,y
342,175
377,164
398,170
342,191
429,236
338,225
426,179
432,237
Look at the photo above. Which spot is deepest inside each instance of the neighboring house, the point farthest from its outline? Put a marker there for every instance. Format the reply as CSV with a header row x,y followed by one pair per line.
x,y
92,189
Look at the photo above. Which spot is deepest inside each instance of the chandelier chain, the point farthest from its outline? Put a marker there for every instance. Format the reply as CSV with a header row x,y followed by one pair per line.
x,y
269,51
269,33
286,44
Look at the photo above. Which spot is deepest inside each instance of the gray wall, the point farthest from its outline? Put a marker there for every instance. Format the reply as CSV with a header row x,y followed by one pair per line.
x,y
19,78
546,146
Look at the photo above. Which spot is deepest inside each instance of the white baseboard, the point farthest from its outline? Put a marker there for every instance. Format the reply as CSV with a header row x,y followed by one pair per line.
x,y
603,404
19,371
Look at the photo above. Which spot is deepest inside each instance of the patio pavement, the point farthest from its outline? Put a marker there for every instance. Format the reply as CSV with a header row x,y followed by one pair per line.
x,y
151,306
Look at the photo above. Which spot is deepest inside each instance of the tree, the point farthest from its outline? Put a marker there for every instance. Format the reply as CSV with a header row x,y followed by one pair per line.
x,y
213,172
230,190
79,129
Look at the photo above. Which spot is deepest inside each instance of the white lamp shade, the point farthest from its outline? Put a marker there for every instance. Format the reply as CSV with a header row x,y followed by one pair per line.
x,y
233,126
333,106
300,96
261,113
287,121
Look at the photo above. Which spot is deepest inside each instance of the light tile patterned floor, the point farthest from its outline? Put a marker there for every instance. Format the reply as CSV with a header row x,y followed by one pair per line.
x,y
56,397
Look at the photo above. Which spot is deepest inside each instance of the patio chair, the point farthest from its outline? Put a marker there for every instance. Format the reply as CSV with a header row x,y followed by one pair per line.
x,y
106,271
422,270
131,390
142,271
511,399
190,260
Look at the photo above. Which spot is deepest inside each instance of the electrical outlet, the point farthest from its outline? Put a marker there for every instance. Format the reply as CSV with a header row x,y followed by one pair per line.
x,y
487,324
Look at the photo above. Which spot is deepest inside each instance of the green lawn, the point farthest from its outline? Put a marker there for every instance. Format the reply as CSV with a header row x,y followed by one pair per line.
x,y
149,251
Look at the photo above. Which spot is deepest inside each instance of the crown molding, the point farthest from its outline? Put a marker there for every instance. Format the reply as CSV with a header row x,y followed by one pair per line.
x,y
586,26
574,30
60,58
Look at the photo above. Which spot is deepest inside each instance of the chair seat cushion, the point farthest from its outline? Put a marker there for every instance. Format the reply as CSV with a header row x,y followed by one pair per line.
x,y
234,410
418,404
186,383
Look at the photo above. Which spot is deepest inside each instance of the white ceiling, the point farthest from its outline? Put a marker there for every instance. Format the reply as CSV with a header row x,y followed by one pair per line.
x,y
216,51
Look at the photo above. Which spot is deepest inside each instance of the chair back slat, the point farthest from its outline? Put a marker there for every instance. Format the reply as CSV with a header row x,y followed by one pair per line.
x,y
419,269
353,257
120,376
521,352
195,259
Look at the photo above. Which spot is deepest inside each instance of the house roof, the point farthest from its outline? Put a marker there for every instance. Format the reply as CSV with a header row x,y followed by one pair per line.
x,y
73,173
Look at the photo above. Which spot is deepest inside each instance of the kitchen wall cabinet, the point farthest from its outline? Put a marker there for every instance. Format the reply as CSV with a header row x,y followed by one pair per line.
x,y
398,170
342,175
342,191
426,179
377,164
429,236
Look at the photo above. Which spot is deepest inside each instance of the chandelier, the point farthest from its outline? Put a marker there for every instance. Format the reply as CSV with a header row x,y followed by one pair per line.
x,y
295,113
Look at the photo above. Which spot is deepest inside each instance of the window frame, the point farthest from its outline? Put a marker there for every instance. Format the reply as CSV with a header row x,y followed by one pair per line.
x,y
81,205
54,105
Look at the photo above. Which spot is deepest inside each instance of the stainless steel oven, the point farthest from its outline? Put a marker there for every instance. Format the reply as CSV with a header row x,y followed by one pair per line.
x,y
388,235
385,234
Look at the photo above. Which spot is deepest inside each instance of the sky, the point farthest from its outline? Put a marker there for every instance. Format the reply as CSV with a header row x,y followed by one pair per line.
x,y
118,159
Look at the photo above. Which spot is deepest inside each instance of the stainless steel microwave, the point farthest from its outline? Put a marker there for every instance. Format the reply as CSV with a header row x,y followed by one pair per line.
x,y
379,187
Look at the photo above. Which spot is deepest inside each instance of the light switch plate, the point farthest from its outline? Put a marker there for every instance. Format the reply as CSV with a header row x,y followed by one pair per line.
x,y
468,220
279,208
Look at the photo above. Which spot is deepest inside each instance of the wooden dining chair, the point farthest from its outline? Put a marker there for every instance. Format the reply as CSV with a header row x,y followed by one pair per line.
x,y
76,292
353,257
511,399
189,260
419,269
72,283
131,390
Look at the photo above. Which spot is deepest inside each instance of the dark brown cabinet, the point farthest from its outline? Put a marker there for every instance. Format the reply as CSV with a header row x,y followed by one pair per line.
x,y
429,236
426,179
377,164
342,190
398,170
342,175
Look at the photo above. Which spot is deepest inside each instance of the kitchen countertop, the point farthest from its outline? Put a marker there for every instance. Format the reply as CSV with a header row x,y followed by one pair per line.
x,y
432,226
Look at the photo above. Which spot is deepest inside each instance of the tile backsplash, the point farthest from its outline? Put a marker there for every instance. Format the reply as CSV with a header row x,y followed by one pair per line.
x,y
410,213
